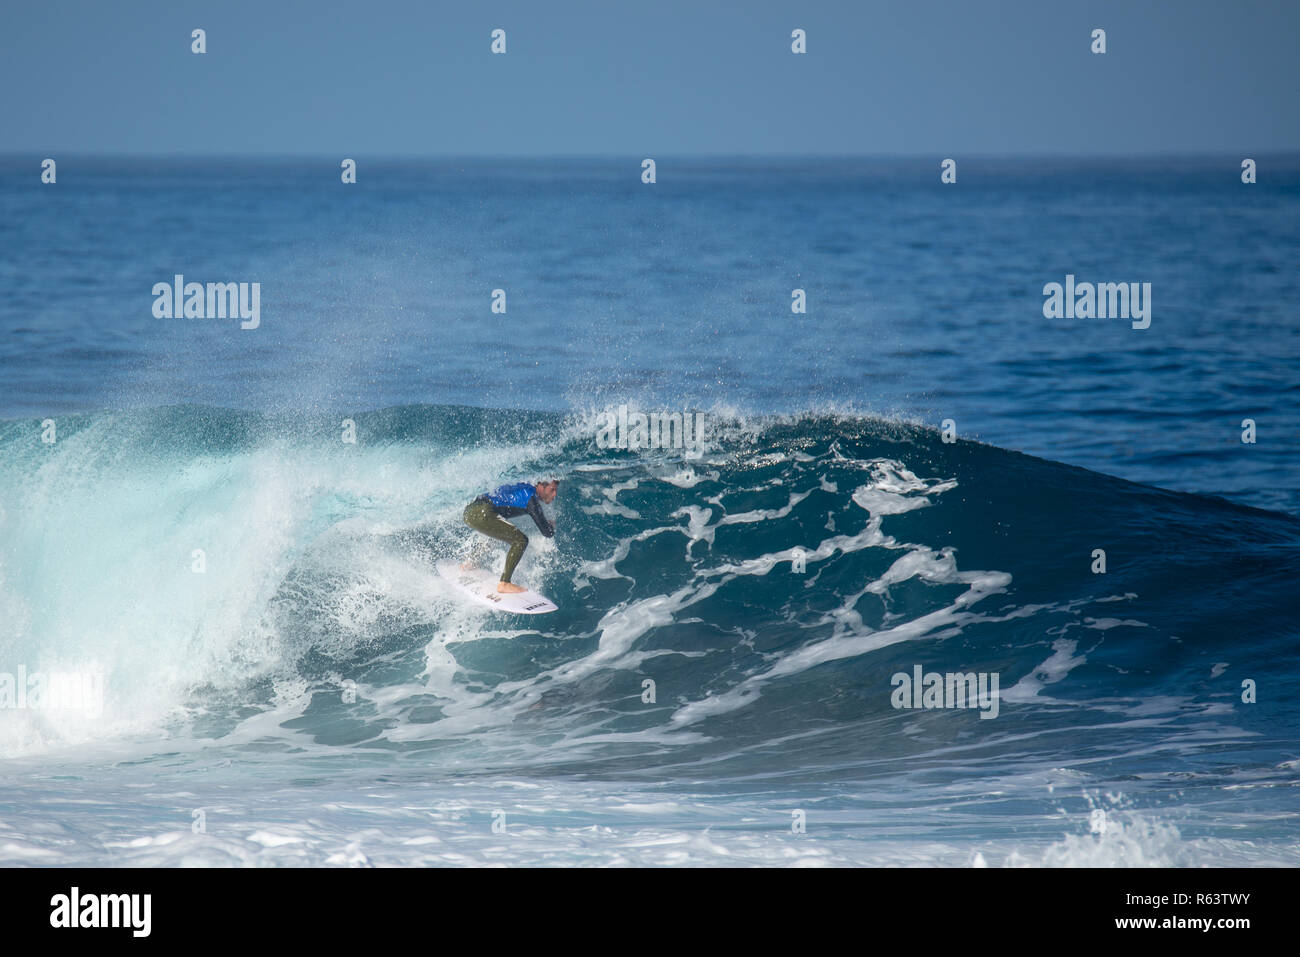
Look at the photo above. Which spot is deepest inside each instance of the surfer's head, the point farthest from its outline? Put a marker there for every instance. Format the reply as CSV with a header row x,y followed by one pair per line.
x,y
547,490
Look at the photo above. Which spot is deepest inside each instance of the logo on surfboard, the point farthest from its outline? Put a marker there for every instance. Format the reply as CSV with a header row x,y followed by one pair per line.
x,y
479,586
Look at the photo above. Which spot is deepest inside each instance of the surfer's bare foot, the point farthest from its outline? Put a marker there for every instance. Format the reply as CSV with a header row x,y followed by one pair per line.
x,y
467,566
510,588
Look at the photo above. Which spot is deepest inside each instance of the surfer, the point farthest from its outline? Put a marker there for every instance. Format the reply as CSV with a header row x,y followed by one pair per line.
x,y
488,514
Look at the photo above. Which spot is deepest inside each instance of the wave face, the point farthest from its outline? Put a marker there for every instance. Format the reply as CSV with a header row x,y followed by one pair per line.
x,y
723,660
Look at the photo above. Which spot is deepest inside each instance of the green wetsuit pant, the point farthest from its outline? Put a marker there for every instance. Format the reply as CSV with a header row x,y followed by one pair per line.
x,y
482,517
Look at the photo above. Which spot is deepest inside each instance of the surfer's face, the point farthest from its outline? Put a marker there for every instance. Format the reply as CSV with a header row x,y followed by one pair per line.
x,y
546,492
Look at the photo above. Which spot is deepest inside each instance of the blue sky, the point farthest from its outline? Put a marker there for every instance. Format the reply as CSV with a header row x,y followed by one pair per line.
x,y
611,77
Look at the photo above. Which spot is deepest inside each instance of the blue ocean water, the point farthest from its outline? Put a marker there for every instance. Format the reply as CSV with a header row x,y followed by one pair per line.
x,y
316,695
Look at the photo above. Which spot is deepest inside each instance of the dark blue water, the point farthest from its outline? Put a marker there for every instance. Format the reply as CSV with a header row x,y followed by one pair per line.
x,y
321,697
924,300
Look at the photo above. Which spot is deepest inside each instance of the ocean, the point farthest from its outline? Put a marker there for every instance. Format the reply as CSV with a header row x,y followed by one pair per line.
x,y
224,537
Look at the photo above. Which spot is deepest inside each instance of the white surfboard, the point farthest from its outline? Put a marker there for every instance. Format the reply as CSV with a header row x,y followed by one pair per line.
x,y
480,585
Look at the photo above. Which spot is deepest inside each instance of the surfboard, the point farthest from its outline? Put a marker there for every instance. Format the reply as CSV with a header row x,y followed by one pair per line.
x,y
480,586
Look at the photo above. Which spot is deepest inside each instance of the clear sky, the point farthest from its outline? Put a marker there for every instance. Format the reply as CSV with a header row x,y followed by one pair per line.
x,y
660,77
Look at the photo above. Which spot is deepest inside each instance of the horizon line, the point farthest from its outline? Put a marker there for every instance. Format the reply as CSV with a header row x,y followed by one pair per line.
x,y
26,154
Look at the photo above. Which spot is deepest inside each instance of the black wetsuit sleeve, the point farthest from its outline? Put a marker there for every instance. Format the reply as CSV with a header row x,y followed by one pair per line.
x,y
535,510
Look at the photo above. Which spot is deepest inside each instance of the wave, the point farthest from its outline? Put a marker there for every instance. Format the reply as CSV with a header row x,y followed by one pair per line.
x,y
739,617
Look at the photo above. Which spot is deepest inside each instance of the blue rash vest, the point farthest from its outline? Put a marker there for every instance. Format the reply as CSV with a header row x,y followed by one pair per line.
x,y
520,499
512,496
